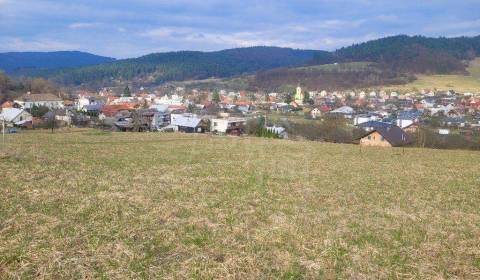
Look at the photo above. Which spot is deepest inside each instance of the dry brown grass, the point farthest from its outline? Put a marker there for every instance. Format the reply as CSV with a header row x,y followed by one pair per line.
x,y
459,83
172,206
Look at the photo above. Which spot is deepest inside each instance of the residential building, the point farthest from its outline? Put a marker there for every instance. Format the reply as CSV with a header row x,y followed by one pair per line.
x,y
27,101
392,136
188,123
228,125
16,117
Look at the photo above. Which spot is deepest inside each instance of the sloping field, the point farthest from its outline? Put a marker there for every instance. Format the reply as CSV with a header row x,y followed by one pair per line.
x,y
460,83
176,206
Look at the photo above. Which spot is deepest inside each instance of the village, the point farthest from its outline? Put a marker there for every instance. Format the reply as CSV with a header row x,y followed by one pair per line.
x,y
373,118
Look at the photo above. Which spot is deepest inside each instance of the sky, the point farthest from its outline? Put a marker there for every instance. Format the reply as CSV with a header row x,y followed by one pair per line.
x,y
131,28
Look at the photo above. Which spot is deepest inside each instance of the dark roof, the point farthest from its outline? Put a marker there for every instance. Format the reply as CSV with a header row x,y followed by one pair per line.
x,y
409,115
375,124
394,135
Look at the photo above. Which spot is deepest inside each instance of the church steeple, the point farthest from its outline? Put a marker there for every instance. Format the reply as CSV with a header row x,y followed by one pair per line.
x,y
299,95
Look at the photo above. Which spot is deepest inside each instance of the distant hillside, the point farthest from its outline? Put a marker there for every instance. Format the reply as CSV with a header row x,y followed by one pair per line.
x,y
30,63
388,61
329,77
415,54
160,67
395,59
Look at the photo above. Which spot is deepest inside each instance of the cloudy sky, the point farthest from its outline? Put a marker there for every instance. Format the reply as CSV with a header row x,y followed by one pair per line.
x,y
130,28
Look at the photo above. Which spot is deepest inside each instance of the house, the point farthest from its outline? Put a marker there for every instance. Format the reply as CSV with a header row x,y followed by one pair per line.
x,y
112,110
407,118
140,120
92,108
344,111
162,116
188,123
63,115
84,101
16,117
234,126
454,121
372,125
7,104
27,101
363,118
413,128
443,131
316,113
392,136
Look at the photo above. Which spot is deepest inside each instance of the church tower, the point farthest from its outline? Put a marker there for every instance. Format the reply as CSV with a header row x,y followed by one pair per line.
x,y
299,96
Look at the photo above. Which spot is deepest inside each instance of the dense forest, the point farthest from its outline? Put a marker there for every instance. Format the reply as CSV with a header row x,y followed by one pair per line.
x,y
415,54
33,63
395,59
184,65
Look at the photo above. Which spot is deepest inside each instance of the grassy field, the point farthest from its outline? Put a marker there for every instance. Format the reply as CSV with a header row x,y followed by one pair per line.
x,y
174,206
467,83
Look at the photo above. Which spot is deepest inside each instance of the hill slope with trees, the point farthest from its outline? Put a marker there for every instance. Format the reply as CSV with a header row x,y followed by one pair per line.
x,y
161,67
32,63
415,54
395,59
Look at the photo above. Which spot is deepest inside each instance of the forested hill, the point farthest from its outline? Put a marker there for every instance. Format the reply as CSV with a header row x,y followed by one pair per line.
x,y
161,67
30,62
403,55
415,54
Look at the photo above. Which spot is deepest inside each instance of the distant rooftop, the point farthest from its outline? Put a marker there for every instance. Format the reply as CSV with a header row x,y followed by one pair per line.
x,y
39,97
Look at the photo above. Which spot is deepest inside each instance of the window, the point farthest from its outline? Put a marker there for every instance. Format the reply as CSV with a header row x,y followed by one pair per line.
x,y
369,137
215,124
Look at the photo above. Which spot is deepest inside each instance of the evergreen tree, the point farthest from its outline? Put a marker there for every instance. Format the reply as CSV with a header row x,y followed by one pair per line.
x,y
216,97
127,92
288,98
306,98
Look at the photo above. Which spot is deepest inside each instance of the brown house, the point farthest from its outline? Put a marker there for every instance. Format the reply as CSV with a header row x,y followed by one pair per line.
x,y
392,136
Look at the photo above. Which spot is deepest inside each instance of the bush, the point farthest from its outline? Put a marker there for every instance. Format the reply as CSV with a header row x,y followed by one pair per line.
x,y
39,111
331,129
427,138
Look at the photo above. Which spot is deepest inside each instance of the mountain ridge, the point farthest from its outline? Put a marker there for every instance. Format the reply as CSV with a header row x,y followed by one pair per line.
x,y
402,54
20,62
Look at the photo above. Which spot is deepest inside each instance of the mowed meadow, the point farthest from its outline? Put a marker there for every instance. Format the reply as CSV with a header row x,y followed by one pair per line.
x,y
90,204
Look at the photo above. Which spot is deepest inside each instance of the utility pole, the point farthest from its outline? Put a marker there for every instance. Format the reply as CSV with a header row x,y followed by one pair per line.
x,y
3,131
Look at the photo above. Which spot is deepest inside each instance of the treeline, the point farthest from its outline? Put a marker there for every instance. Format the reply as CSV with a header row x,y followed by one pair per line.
x,y
184,65
11,89
428,138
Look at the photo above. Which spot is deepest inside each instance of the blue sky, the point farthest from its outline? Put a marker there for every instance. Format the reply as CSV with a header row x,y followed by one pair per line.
x,y
132,28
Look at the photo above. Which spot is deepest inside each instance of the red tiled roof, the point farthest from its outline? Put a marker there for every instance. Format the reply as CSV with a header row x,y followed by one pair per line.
x,y
111,110
176,107
7,104
243,103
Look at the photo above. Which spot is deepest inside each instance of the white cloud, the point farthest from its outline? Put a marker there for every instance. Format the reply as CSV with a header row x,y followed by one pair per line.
x,y
281,37
80,25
